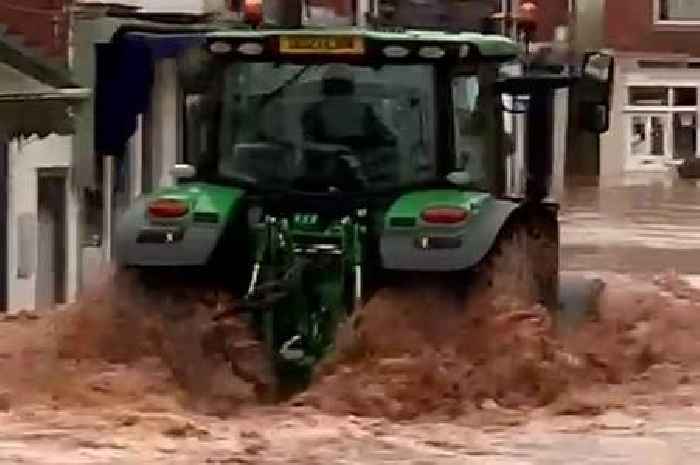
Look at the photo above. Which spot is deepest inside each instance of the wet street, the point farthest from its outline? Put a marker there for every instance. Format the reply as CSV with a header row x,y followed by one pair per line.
x,y
650,225
644,228
62,438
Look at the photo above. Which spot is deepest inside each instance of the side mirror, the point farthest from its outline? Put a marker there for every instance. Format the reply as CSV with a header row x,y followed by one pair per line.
x,y
598,66
595,90
182,171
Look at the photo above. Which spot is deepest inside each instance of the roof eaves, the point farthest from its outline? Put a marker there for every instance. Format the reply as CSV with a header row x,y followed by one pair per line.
x,y
59,94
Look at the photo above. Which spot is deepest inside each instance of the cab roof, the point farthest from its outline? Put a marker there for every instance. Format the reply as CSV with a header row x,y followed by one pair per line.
x,y
492,46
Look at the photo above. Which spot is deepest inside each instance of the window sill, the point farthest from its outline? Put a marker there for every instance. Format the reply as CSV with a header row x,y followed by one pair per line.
x,y
676,26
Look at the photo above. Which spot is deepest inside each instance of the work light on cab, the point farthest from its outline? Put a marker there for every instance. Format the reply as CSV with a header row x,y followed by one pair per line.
x,y
167,208
253,12
444,215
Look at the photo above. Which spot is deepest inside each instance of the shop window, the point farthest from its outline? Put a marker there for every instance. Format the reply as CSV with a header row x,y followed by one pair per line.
x,y
638,141
678,10
685,96
648,96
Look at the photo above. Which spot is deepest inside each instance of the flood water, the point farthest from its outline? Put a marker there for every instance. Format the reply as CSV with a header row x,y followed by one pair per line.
x,y
644,224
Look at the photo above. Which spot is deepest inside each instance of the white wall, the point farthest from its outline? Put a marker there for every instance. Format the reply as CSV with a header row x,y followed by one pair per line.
x,y
166,111
25,158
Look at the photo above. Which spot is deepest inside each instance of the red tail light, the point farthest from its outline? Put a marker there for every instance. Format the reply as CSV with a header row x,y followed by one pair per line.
x,y
168,208
253,12
444,215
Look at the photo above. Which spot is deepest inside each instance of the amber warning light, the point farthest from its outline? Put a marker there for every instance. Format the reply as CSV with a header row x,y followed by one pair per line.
x,y
253,12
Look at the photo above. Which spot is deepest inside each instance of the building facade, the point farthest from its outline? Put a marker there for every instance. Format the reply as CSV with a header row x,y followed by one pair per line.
x,y
38,202
655,111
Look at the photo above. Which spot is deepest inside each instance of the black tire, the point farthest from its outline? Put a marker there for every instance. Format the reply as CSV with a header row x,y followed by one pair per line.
x,y
524,261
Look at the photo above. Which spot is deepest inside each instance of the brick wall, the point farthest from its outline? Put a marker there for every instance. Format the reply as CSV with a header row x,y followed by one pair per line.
x,y
550,14
43,24
629,26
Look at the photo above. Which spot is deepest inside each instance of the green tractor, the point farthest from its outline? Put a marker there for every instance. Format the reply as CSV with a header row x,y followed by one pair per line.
x,y
324,165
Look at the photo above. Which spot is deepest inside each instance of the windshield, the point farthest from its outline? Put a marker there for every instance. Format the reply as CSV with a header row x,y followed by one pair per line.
x,y
325,127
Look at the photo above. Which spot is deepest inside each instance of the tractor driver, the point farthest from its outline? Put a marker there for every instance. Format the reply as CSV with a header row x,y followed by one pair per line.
x,y
341,118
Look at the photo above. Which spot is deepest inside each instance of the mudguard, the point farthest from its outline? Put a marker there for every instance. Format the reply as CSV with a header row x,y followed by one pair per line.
x,y
423,247
189,241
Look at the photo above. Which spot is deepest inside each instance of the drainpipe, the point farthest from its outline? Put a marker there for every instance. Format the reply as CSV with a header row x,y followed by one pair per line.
x,y
504,12
573,41
107,188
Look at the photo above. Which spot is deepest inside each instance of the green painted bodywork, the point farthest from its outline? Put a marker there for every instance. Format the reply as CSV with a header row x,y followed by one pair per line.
x,y
187,241
492,46
312,259
411,205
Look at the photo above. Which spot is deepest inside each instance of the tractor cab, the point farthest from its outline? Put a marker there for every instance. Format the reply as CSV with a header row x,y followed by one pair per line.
x,y
353,112
364,112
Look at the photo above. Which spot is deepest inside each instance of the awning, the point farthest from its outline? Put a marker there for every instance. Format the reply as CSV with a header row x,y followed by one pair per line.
x,y
34,98
29,107
125,73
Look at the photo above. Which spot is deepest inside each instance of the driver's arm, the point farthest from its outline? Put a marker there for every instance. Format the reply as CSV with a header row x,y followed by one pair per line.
x,y
377,129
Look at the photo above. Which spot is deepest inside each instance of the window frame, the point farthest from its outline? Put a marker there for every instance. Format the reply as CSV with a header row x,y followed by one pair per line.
x,y
658,21
668,111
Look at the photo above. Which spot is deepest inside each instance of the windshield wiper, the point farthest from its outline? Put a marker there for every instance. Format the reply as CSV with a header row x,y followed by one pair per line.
x,y
284,86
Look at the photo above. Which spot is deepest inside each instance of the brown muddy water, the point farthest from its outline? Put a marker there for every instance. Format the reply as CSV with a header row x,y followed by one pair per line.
x,y
651,224
494,386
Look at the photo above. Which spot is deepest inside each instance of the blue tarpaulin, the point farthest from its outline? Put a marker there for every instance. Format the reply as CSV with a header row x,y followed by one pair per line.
x,y
125,74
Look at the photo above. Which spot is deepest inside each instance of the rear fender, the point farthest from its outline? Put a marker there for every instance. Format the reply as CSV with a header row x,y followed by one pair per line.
x,y
191,242
401,248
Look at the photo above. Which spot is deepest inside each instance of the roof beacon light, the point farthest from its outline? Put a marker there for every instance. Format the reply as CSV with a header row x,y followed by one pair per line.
x,y
253,12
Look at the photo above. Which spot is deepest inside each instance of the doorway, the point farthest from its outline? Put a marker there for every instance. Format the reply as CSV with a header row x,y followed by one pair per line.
x,y
51,217
685,135
648,138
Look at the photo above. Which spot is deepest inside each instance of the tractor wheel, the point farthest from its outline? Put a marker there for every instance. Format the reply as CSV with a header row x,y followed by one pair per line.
x,y
524,262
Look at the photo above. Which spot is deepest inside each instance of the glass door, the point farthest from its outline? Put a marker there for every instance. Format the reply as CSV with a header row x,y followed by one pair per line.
x,y
685,135
648,142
